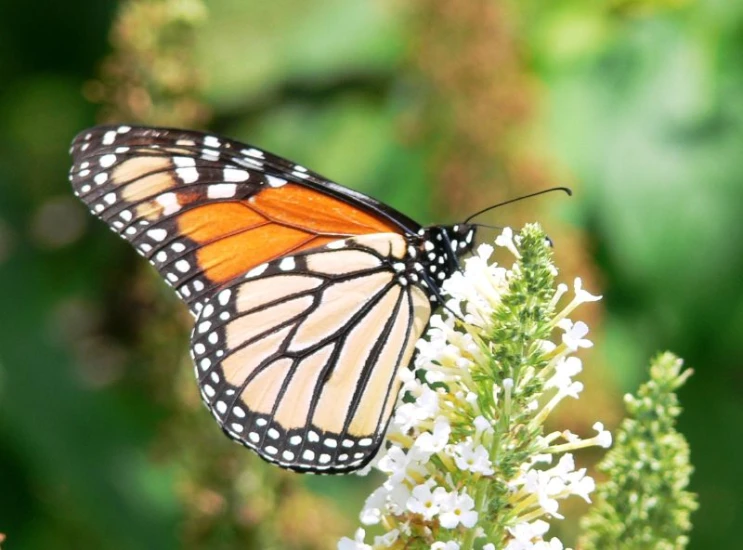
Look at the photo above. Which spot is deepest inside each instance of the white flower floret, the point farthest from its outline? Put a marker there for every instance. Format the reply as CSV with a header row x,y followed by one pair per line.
x,y
604,436
482,426
386,540
505,239
424,501
399,465
469,459
582,296
371,514
456,508
356,544
574,333
524,534
429,443
449,545
566,368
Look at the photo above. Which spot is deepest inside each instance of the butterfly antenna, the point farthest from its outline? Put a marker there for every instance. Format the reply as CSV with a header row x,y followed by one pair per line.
x,y
542,192
488,226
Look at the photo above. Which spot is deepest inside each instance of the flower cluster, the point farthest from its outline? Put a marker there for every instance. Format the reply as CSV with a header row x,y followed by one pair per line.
x,y
468,460
644,502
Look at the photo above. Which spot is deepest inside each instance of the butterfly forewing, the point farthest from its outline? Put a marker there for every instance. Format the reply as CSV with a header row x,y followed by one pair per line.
x,y
298,359
203,209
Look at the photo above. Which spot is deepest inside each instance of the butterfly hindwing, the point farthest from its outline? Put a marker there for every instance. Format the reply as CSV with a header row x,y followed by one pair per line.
x,y
298,359
203,209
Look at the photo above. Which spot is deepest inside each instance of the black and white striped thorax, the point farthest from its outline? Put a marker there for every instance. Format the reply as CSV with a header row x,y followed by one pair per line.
x,y
433,255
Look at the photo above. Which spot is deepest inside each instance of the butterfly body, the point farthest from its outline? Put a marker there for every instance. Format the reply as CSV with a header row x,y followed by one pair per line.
x,y
308,296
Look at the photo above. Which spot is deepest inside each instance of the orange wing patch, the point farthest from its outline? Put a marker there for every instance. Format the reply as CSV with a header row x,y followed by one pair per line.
x,y
316,212
237,236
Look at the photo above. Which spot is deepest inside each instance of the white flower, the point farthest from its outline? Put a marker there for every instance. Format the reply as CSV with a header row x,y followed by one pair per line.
x,y
429,443
604,436
583,487
505,239
573,390
386,540
398,465
469,397
371,514
410,415
525,535
474,460
356,544
574,333
482,426
457,508
424,501
410,384
581,295
397,496
566,368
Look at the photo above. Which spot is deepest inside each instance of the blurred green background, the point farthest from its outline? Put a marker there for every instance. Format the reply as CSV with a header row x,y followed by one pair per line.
x,y
438,107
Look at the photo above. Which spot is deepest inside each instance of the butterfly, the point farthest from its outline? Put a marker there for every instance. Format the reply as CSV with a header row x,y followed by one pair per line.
x,y
308,297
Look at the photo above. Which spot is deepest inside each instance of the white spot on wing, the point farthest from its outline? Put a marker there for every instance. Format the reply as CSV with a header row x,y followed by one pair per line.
x,y
187,175
157,234
287,264
252,152
109,137
107,160
273,181
184,162
336,244
169,202
224,296
183,266
211,141
257,270
221,190
235,175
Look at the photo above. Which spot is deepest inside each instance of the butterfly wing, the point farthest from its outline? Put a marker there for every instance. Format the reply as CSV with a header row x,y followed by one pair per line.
x,y
298,359
205,210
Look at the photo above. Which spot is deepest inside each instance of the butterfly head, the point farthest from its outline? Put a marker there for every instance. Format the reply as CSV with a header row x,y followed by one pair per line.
x,y
437,249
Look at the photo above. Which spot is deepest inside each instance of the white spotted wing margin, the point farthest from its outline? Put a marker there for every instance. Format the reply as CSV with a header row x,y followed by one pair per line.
x,y
298,360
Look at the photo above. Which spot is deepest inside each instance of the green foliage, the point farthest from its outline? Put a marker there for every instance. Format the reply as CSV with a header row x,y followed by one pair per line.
x,y
644,504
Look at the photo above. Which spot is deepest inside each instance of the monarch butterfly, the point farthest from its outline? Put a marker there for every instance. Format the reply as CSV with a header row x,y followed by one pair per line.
x,y
308,296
